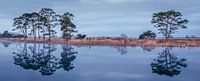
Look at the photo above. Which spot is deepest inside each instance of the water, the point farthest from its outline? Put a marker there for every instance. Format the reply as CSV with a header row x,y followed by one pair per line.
x,y
51,62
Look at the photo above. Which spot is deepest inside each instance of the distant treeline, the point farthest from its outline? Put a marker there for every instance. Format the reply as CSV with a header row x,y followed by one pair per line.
x,y
7,34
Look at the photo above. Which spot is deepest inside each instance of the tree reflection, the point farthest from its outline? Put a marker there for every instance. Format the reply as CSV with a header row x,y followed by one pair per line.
x,y
49,61
40,57
5,43
147,48
168,63
121,49
67,56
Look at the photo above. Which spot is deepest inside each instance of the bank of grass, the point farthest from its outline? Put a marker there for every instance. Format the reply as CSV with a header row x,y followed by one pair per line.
x,y
112,42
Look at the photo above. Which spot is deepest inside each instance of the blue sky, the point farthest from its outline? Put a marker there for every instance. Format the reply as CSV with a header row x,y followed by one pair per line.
x,y
106,17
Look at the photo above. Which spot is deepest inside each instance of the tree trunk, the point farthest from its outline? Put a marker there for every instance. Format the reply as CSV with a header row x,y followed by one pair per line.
x,y
38,33
25,33
34,32
49,33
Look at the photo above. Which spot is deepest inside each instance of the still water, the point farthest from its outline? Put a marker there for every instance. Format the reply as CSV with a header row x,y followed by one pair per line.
x,y
56,62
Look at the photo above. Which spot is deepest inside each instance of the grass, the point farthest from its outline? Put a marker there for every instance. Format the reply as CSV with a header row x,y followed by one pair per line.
x,y
113,42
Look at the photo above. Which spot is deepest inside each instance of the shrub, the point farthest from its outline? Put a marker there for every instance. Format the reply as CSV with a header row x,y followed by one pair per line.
x,y
148,35
81,36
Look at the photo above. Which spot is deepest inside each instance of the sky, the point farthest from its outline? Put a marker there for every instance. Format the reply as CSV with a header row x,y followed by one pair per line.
x,y
107,17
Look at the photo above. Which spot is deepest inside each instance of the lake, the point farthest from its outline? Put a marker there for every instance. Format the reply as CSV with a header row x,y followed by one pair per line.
x,y
56,62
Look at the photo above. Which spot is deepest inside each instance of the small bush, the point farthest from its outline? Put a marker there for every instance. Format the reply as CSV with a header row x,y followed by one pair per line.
x,y
148,35
80,36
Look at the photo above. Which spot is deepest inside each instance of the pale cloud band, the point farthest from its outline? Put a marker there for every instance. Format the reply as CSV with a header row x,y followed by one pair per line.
x,y
109,1
106,17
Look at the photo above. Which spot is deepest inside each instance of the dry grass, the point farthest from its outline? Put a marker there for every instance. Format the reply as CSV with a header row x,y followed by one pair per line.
x,y
129,42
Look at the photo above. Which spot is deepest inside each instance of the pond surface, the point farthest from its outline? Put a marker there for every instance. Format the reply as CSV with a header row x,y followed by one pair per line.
x,y
51,62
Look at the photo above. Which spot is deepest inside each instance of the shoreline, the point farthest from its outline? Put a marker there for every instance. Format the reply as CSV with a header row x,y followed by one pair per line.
x,y
111,42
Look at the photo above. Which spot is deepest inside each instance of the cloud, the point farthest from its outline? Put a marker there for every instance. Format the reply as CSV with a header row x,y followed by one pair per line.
x,y
5,24
106,17
110,1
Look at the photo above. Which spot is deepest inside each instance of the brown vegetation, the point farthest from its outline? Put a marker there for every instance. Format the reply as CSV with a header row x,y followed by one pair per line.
x,y
117,42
